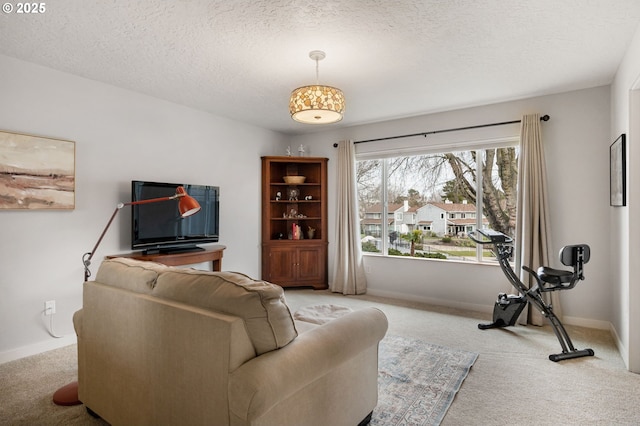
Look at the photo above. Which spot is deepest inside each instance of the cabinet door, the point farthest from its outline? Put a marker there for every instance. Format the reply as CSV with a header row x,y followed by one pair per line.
x,y
311,264
282,265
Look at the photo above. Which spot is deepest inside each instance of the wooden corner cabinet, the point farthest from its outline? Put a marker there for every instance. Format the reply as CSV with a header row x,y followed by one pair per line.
x,y
294,222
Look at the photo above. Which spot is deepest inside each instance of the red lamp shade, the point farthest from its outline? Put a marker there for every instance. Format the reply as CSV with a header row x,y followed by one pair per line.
x,y
187,205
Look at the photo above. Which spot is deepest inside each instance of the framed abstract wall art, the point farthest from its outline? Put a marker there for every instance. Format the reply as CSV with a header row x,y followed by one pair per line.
x,y
36,172
618,172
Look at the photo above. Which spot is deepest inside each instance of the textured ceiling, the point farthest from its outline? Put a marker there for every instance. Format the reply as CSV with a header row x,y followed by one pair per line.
x,y
241,59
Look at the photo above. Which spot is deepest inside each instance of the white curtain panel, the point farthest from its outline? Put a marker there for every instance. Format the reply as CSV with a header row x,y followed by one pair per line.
x,y
533,233
348,271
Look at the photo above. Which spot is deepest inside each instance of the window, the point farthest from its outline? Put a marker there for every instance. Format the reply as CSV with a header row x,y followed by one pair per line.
x,y
426,205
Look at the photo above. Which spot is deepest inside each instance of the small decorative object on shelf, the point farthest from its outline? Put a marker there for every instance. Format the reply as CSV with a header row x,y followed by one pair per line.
x,y
293,194
311,232
288,151
308,198
296,232
278,196
293,214
294,180
301,150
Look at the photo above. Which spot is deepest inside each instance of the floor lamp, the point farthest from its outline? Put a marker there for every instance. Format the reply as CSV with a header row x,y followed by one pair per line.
x,y
187,206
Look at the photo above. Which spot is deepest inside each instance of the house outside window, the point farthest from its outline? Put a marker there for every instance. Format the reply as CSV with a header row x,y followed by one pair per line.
x,y
433,200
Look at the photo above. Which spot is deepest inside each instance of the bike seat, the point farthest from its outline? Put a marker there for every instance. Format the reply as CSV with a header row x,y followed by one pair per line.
x,y
550,279
555,276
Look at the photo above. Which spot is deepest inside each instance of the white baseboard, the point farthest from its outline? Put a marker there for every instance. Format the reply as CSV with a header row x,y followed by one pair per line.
x,y
624,353
432,301
586,322
37,348
484,308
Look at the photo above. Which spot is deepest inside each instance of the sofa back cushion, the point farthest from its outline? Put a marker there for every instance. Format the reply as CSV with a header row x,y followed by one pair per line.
x,y
260,304
130,274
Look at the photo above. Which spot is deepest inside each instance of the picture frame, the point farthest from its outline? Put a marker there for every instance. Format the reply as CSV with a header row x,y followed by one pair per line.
x,y
618,172
36,172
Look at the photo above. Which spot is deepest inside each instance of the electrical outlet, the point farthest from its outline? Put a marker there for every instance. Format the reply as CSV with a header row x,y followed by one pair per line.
x,y
50,307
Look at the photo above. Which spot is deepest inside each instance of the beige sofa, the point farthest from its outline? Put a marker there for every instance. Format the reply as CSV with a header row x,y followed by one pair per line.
x,y
165,346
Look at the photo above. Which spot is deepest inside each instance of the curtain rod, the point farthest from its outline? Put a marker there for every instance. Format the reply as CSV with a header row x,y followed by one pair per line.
x,y
433,132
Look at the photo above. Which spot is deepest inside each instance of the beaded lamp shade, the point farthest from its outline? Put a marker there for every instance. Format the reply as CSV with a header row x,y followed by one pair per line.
x,y
317,104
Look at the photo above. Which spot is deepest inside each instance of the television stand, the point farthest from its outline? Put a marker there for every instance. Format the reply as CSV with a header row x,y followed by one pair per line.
x,y
211,254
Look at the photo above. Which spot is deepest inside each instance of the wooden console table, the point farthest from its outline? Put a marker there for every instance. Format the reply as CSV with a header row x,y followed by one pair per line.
x,y
211,254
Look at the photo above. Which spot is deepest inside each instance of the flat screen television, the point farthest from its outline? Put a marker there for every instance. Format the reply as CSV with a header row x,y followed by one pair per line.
x,y
158,227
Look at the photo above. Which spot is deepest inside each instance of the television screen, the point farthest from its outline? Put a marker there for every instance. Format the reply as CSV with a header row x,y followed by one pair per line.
x,y
159,226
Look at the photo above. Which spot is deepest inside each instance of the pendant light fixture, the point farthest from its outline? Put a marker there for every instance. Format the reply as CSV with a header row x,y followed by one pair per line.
x,y
317,104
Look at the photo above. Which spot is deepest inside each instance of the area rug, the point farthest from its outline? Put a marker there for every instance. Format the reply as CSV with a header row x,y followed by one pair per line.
x,y
417,381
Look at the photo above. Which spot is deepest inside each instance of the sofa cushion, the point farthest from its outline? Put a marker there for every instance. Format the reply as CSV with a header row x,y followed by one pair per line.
x,y
130,274
261,304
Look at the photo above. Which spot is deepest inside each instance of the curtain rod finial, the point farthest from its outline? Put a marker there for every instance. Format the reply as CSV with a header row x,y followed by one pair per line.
x,y
335,145
545,117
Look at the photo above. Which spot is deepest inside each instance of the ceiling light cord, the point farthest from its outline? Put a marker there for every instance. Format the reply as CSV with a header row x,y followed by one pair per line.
x,y
317,55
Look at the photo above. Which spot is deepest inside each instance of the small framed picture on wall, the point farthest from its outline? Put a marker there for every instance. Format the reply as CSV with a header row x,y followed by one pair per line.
x,y
618,172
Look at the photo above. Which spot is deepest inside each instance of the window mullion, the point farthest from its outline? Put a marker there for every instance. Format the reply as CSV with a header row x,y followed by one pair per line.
x,y
480,156
385,208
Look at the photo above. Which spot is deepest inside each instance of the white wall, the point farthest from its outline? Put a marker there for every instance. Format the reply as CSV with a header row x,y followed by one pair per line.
x,y
576,148
625,228
120,136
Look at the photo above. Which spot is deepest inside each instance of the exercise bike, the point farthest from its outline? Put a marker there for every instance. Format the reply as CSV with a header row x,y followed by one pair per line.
x,y
508,307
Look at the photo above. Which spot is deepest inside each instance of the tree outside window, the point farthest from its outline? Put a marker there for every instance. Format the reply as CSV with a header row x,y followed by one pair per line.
x,y
426,205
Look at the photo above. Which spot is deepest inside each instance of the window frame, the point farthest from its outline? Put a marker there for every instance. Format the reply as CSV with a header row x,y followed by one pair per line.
x,y
385,155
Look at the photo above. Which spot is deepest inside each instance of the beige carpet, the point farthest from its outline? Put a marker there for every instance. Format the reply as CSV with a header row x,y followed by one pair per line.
x,y
511,383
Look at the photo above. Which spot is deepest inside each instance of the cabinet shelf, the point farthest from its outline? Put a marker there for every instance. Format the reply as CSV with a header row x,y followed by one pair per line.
x,y
291,219
286,242
295,184
295,202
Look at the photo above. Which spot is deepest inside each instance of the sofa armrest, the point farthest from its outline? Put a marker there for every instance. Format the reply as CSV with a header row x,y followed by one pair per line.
x,y
77,322
147,361
258,385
